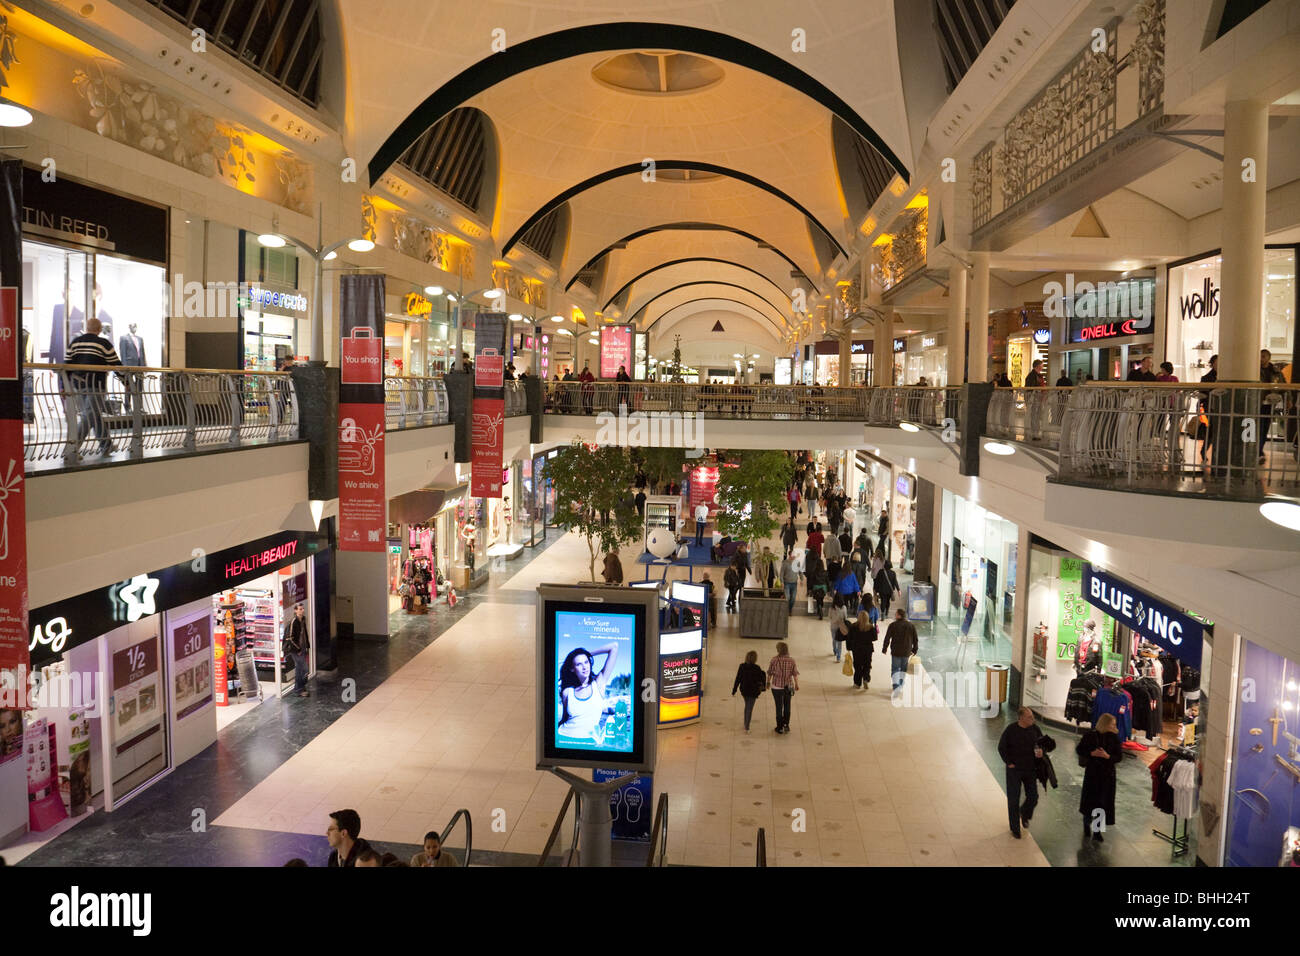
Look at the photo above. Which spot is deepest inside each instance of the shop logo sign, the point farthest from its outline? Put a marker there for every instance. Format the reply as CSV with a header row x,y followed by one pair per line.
x,y
138,596
1155,621
1200,305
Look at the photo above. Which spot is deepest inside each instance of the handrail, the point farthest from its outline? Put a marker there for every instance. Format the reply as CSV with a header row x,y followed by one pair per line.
x,y
66,366
555,829
659,831
469,831
761,852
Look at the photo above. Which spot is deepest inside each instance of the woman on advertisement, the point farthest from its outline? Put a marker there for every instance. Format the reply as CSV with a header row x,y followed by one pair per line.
x,y
582,694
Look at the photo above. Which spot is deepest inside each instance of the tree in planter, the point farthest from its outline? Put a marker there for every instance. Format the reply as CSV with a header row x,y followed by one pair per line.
x,y
589,480
751,497
662,464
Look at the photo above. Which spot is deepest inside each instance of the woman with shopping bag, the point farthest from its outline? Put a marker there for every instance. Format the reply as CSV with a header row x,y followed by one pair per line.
x,y
860,637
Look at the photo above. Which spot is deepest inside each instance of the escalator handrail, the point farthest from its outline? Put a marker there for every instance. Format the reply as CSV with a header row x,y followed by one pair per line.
x,y
469,831
555,830
659,831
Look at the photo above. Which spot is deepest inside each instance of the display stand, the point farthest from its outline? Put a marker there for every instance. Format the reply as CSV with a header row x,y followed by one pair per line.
x,y
662,511
595,821
1179,842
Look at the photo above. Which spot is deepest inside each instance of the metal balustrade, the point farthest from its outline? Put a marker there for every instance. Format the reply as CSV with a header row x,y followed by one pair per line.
x,y
412,401
1032,416
80,415
928,407
1231,440
763,402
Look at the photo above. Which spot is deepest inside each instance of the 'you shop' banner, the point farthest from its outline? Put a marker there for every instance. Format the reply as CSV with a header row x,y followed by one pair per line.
x,y
363,503
488,418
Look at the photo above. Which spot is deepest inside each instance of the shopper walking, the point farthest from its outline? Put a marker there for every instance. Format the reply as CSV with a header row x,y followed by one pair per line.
x,y
789,580
816,539
751,682
833,555
297,645
847,588
815,575
836,618
711,599
860,637
731,579
783,678
883,587
792,495
1018,748
900,644
1103,752
789,536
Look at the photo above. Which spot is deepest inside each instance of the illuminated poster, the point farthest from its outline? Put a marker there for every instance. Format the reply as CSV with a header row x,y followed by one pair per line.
x,y
192,677
704,486
615,350
362,500
136,708
593,681
680,663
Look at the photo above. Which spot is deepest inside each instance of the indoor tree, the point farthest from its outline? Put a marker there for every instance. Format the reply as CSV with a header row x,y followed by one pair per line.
x,y
751,495
588,481
662,464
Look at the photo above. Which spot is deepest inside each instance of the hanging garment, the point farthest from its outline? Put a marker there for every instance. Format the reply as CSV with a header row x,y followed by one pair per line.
x,y
1182,780
1155,776
1078,701
1112,700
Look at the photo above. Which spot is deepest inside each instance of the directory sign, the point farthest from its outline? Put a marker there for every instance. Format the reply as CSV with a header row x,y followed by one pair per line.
x,y
597,660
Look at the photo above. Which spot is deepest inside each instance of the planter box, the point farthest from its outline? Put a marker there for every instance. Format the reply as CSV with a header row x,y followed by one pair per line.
x,y
764,614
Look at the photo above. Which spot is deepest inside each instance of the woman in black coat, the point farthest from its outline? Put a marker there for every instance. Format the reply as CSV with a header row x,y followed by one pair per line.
x,y
815,575
1101,748
751,681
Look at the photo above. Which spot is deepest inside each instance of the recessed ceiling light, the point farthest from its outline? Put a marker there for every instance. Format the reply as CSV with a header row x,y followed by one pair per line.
x,y
1284,513
999,448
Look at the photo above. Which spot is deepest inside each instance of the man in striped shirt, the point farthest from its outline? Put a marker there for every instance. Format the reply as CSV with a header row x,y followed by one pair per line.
x,y
90,348
783,678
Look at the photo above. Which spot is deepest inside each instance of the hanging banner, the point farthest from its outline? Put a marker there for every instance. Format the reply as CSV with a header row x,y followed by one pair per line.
x,y
362,498
488,420
15,660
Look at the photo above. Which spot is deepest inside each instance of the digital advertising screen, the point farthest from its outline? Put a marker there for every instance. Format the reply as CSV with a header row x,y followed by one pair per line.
x,y
689,593
593,663
681,655
615,350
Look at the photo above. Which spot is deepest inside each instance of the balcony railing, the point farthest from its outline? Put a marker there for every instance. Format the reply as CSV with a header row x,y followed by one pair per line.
x,y
772,402
931,407
88,414
1032,416
1232,440
412,401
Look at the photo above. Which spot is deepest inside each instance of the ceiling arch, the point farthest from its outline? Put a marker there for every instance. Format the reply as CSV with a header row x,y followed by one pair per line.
x,y
689,226
694,273
677,262
637,169
722,306
562,44
695,285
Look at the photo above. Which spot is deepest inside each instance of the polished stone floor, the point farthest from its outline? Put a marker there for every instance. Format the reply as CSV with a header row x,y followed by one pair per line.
x,y
444,719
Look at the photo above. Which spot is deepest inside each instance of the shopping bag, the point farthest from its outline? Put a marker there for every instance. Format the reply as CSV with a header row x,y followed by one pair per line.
x,y
812,606
847,669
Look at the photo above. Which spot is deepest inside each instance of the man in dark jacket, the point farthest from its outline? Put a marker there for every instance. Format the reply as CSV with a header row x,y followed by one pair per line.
x,y
343,835
1019,750
860,638
900,644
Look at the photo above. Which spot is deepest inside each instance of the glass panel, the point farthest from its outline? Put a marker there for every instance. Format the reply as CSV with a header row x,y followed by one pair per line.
x,y
129,301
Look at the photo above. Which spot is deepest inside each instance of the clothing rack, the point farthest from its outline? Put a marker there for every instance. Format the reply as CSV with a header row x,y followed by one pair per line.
x,y
1179,842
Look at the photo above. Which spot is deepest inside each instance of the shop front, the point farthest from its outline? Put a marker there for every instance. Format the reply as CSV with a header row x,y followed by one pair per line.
x,y
1106,331
1097,644
926,358
1263,813
976,593
90,252
273,314
1192,311
1024,348
826,362
134,679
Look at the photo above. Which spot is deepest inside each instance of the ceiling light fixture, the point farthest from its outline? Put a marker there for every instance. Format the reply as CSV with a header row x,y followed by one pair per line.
x,y
1283,513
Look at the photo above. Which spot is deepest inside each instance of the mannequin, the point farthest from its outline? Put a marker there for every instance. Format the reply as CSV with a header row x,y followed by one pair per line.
x,y
130,347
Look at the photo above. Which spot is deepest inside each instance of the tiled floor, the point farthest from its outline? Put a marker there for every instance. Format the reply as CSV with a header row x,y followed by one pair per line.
x,y
858,781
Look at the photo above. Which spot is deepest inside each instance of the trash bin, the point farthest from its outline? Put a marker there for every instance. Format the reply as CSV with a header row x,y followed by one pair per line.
x,y
995,676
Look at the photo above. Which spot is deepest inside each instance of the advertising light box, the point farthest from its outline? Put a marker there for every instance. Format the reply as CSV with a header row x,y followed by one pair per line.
x,y
689,593
596,649
681,655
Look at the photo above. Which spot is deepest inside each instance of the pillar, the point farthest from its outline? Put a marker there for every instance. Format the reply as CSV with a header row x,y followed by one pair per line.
x,y
363,577
979,319
846,357
882,359
957,323
1245,137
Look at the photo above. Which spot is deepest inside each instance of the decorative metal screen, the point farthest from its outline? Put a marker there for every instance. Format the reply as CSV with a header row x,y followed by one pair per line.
x,y
279,39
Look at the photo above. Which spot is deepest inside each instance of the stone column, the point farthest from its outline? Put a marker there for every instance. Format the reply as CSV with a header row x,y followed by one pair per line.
x,y
979,318
846,356
957,322
882,359
1245,137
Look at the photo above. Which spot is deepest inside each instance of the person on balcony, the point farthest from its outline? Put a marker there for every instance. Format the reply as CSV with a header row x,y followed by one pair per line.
x,y
1064,380
88,388
588,389
1035,378
1143,372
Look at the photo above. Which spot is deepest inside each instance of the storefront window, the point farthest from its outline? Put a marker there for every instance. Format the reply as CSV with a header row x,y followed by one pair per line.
x,y
1264,805
981,552
1194,311
927,357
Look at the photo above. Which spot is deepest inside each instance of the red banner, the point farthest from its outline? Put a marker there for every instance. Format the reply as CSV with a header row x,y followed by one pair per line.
x,y
14,655
363,358
362,504
487,434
